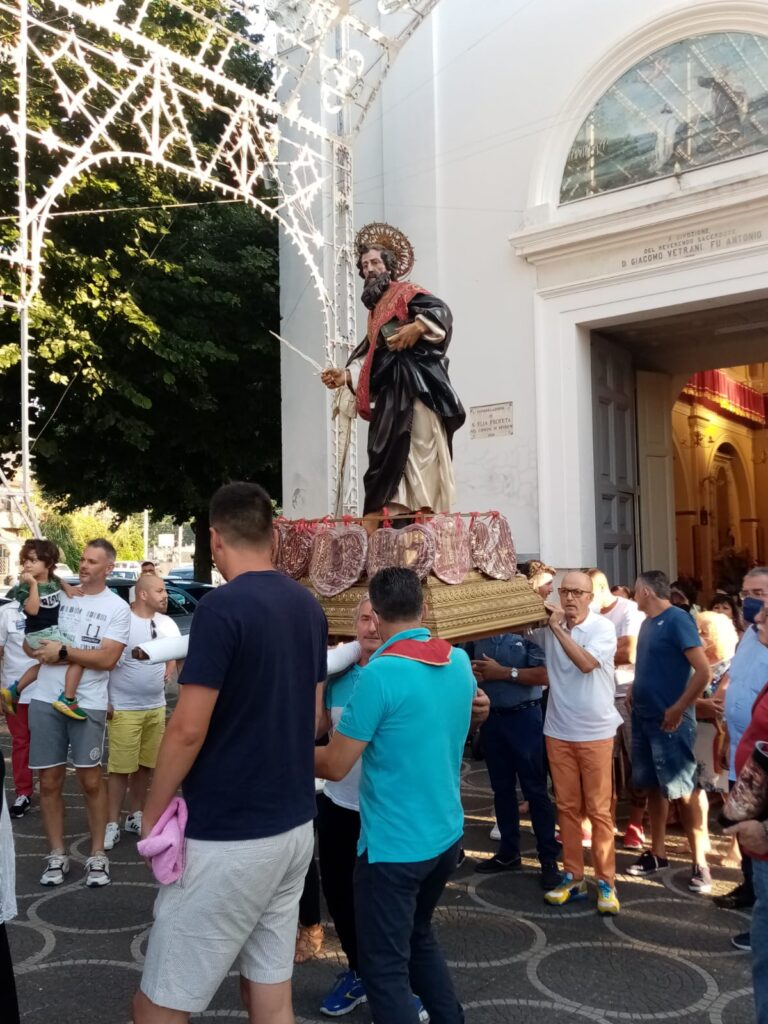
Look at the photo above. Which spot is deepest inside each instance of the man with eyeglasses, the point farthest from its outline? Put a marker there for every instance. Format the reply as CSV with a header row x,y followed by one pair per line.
x,y
748,676
580,727
136,717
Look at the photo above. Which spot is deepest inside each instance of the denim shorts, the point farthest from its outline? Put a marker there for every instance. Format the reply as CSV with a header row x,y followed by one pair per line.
x,y
663,760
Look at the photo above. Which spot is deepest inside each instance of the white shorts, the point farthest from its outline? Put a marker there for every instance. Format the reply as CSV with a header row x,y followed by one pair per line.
x,y
237,904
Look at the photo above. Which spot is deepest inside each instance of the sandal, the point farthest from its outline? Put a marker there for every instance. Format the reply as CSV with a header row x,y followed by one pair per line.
x,y
309,942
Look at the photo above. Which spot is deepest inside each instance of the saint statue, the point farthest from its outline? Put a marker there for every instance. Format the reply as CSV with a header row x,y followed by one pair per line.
x,y
398,375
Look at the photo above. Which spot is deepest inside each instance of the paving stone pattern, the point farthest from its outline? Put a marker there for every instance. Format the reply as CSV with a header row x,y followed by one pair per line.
x,y
667,957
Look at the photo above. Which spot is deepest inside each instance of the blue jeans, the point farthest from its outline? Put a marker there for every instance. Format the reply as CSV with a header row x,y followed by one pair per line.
x,y
664,760
396,947
759,933
513,743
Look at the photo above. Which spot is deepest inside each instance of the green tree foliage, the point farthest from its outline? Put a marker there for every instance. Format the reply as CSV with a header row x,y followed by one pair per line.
x,y
155,379
71,531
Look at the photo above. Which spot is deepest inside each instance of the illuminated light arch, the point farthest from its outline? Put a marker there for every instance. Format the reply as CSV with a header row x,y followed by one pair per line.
x,y
317,50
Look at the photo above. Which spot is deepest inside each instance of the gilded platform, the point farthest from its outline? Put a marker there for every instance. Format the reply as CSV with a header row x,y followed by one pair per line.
x,y
476,608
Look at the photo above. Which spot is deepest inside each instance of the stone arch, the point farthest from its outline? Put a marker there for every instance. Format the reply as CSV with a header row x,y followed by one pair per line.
x,y
727,459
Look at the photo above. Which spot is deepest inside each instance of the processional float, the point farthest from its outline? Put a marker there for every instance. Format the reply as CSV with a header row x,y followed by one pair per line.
x,y
126,95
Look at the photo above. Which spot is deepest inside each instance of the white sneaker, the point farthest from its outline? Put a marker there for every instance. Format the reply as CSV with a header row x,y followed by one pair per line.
x,y
133,823
97,871
495,834
57,866
112,835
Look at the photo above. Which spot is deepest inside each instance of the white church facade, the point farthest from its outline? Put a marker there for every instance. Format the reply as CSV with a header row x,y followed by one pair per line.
x,y
586,185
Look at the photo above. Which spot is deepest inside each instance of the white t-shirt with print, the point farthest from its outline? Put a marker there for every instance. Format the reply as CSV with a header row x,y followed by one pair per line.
x,y
136,685
15,662
85,622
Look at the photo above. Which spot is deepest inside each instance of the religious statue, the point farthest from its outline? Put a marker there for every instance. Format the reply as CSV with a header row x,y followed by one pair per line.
x,y
398,375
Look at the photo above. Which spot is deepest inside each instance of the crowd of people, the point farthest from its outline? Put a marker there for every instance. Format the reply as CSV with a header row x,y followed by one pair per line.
x,y
634,684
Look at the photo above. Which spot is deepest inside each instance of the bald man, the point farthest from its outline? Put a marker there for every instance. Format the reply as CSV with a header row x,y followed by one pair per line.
x,y
136,716
580,726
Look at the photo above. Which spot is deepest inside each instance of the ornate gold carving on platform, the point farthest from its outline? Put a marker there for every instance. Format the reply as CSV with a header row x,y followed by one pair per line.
x,y
470,610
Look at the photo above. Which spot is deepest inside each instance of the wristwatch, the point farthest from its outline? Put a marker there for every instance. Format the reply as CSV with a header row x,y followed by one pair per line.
x,y
513,674
63,652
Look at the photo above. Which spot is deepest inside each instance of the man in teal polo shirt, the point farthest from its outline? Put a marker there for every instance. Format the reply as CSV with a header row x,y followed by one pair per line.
x,y
408,718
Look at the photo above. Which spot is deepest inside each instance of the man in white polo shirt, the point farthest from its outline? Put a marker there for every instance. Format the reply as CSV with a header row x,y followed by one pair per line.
x,y
580,726
137,708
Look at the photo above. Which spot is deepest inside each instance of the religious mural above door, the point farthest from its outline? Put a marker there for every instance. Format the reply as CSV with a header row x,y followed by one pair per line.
x,y
700,101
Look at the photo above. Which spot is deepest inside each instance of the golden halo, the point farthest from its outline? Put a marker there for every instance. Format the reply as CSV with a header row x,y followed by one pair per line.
x,y
383,236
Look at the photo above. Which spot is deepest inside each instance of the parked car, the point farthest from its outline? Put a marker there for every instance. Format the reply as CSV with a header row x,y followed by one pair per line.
x,y
194,587
182,572
181,605
126,570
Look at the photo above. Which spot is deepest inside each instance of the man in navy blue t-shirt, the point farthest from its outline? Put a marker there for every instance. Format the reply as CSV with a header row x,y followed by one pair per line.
x,y
241,744
671,672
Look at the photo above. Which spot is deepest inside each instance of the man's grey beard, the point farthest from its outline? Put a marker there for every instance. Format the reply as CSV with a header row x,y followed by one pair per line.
x,y
374,288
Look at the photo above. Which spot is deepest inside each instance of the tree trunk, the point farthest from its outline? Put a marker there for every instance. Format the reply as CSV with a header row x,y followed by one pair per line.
x,y
202,556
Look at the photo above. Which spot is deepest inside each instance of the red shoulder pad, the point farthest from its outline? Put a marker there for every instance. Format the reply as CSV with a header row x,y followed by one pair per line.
x,y
434,651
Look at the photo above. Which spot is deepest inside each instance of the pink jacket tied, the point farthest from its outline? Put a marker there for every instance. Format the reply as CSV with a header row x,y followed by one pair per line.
x,y
164,846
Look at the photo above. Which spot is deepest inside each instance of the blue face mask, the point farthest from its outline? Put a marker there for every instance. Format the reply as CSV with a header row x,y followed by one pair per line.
x,y
751,607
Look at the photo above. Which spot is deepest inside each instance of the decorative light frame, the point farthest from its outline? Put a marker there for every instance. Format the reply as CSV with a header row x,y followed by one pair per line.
x,y
318,49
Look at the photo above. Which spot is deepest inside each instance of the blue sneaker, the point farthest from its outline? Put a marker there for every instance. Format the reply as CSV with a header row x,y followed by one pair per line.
x,y
346,994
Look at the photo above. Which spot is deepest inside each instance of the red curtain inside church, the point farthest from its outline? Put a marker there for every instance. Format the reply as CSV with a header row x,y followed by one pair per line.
x,y
729,397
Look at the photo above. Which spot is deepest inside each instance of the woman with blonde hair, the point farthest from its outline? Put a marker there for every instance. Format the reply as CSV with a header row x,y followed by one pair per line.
x,y
719,638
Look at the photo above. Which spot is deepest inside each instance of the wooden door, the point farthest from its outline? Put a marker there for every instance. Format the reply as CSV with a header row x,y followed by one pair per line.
x,y
615,441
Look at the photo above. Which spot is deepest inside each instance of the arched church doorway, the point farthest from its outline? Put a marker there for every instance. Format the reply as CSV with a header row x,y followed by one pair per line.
x,y
701,443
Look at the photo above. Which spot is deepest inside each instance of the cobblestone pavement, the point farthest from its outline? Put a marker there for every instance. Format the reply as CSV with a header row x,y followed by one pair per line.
x,y
78,951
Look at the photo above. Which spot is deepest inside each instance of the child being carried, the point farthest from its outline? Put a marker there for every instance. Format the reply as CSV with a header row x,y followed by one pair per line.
x,y
39,594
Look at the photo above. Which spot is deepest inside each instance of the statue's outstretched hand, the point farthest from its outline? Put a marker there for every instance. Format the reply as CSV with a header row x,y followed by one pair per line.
x,y
406,336
333,378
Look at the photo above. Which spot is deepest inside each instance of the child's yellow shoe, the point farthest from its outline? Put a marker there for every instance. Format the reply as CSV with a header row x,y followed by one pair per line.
x,y
70,708
9,697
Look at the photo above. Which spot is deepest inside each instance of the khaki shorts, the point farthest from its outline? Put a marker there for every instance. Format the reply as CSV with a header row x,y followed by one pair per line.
x,y
34,640
236,905
134,739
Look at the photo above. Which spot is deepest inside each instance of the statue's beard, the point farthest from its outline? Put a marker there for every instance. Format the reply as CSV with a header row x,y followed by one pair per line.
x,y
374,288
